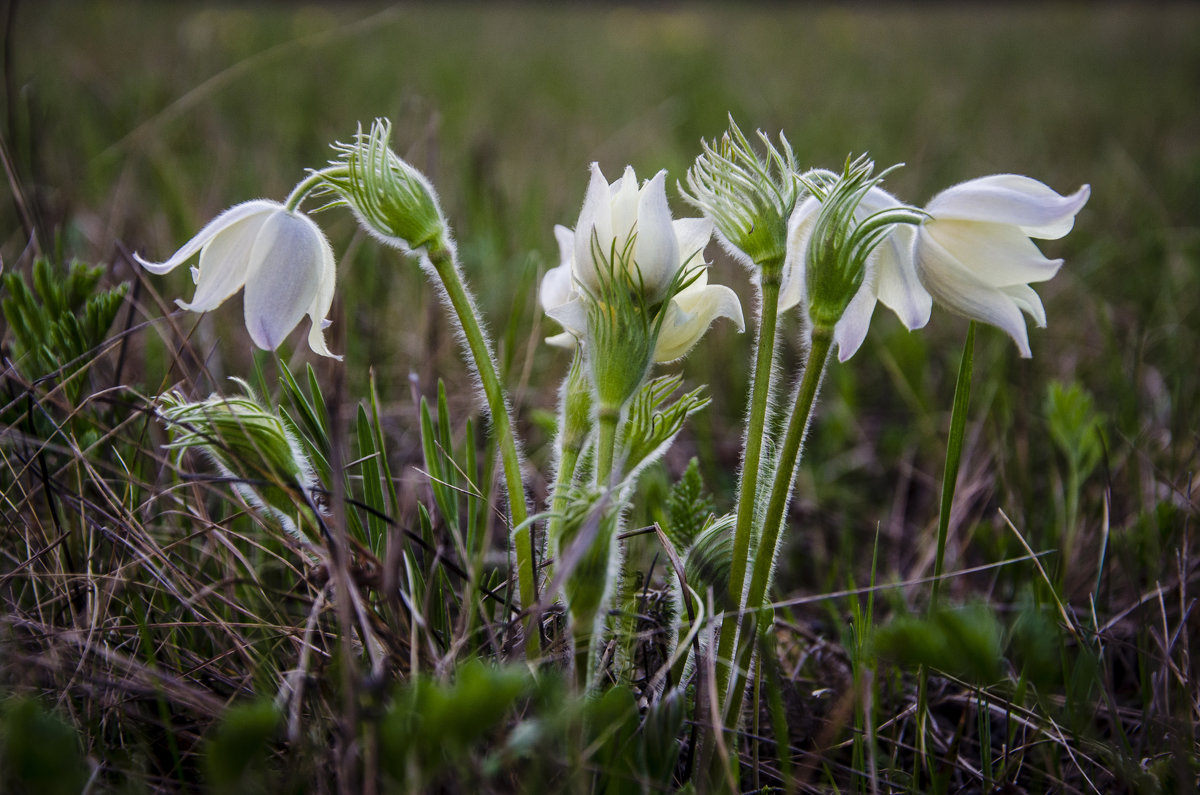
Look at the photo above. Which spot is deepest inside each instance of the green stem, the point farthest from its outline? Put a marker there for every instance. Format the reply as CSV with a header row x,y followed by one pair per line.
x,y
310,182
781,490
609,417
760,398
444,263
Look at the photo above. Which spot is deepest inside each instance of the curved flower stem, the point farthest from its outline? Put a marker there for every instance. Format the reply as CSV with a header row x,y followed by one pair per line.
x,y
443,262
781,491
306,185
760,399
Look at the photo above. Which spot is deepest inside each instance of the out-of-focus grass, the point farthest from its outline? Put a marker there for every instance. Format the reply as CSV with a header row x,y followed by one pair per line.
x,y
131,124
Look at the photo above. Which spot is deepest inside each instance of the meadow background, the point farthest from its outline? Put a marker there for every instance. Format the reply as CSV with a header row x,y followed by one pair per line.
x,y
128,125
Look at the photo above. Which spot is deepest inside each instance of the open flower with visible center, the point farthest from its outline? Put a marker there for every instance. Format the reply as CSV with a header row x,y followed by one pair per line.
x,y
889,276
975,256
279,255
650,250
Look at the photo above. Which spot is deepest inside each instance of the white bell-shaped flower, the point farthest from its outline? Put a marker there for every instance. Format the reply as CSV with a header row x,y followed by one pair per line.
x,y
890,274
280,256
975,256
626,226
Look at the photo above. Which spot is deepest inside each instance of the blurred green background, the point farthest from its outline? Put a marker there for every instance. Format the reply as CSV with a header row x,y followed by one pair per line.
x,y
128,125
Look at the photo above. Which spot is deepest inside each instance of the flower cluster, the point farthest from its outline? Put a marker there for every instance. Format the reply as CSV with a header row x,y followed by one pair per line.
x,y
970,249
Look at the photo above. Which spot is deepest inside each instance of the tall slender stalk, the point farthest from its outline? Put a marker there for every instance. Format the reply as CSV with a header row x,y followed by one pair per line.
x,y
781,489
443,262
760,398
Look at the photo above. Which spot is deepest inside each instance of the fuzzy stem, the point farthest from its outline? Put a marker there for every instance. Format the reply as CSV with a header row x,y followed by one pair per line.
x,y
748,487
310,182
443,261
781,490
609,417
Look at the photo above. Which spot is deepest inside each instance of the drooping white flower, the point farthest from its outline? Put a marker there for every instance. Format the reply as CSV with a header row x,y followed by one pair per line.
x,y
975,256
689,313
280,256
890,274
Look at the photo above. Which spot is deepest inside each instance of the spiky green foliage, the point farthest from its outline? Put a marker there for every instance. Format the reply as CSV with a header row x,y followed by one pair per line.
x,y
57,318
653,422
689,506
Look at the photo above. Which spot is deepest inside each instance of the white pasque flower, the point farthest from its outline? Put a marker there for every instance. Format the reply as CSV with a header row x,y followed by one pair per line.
x,y
279,255
974,253
890,274
611,216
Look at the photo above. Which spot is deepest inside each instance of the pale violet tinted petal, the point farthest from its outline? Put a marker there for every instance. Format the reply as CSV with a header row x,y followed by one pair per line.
x,y
689,315
593,229
656,251
896,282
556,287
231,216
851,328
800,229
958,290
572,316
1011,199
322,302
224,263
284,276
997,254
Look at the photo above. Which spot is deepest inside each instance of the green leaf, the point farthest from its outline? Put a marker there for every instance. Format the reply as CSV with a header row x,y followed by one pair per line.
x,y
689,506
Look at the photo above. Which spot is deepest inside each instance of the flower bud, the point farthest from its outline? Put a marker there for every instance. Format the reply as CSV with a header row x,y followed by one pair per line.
x,y
749,198
393,201
246,442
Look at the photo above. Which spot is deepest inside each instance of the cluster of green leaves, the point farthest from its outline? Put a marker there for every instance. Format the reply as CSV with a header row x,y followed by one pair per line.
x,y
58,318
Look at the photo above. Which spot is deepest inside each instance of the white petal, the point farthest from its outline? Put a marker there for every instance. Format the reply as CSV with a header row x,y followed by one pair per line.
x,y
224,264
623,199
851,328
236,213
556,288
594,229
564,340
318,312
566,244
1028,302
284,276
573,316
692,236
959,291
997,254
689,315
656,251
897,285
1011,199
800,229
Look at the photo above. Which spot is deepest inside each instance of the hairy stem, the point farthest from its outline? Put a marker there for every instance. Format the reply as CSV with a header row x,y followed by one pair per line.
x,y
306,185
609,417
443,262
781,490
760,398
